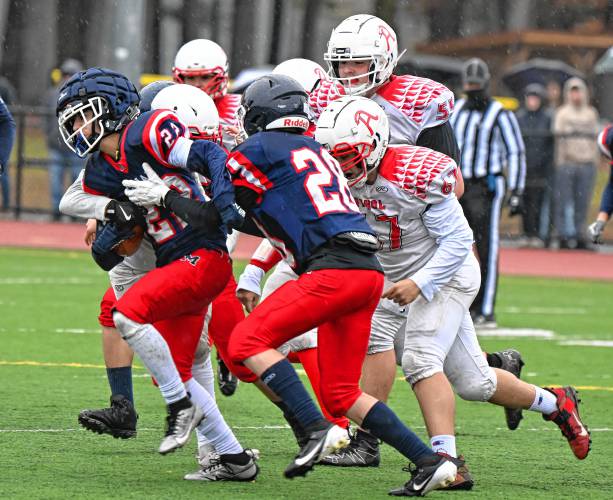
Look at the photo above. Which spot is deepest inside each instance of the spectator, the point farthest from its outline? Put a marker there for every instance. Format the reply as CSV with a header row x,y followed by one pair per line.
x,y
575,126
535,123
554,93
60,157
7,137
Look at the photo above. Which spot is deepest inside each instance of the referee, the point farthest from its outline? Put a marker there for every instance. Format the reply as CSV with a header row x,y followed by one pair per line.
x,y
490,142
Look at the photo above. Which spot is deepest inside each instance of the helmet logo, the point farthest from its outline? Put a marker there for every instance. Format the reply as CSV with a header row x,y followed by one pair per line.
x,y
365,118
385,33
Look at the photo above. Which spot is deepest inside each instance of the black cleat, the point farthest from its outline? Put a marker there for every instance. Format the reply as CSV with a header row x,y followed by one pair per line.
x,y
320,444
119,420
440,473
511,362
226,380
363,451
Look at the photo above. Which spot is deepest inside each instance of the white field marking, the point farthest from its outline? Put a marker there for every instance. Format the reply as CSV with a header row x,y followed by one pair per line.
x,y
76,330
46,281
543,310
587,343
516,332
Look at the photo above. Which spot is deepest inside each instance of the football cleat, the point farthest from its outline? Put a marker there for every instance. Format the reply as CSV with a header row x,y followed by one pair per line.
x,y
568,420
363,451
183,417
320,444
226,380
119,420
511,362
463,479
440,474
225,468
205,453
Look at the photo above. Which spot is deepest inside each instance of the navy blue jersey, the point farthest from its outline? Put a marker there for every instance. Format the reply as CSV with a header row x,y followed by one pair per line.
x,y
303,199
153,138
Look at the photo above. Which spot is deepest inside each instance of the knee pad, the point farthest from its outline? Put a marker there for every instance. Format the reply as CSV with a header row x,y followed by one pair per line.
x,y
203,351
128,329
418,366
473,388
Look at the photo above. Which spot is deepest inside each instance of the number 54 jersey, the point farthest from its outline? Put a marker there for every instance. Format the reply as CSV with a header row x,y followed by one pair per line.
x,y
303,199
411,179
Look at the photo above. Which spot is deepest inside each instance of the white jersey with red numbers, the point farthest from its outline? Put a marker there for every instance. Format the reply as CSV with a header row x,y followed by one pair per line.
x,y
227,107
410,180
411,103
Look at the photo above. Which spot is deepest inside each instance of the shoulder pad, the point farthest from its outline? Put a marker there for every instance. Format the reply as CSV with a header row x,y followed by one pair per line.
x,y
421,172
422,100
227,108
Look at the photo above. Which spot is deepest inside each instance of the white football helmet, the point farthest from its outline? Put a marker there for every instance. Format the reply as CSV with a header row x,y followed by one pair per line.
x,y
306,72
195,109
363,38
203,58
356,132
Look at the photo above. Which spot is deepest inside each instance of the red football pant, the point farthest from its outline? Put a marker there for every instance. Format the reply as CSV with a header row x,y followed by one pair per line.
x,y
340,302
175,298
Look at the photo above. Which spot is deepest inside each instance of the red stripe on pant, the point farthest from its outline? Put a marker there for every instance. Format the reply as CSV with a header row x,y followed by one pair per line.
x,y
340,302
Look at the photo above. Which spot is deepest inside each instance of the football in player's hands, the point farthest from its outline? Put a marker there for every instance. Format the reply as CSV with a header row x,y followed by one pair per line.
x,y
130,245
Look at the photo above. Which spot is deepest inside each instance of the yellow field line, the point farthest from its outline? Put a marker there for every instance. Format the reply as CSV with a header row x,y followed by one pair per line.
x,y
61,365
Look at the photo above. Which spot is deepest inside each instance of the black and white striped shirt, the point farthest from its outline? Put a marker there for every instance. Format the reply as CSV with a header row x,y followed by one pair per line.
x,y
489,140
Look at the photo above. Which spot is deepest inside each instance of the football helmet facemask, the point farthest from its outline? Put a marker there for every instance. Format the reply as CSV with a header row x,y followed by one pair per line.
x,y
355,130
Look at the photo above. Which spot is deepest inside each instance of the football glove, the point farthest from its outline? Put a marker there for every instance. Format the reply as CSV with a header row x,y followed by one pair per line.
x,y
595,230
232,216
148,192
124,214
516,203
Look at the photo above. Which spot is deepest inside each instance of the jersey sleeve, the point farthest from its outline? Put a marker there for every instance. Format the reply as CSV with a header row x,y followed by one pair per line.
x,y
439,103
242,164
265,256
325,93
605,141
166,139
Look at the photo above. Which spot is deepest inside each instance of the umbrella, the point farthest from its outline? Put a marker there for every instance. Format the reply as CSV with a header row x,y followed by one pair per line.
x,y
247,76
538,71
446,70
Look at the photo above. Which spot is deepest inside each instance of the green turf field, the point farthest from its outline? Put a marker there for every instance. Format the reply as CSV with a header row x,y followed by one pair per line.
x,y
51,367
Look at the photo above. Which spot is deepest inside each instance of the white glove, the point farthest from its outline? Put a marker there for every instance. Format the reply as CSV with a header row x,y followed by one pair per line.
x,y
148,192
251,279
594,231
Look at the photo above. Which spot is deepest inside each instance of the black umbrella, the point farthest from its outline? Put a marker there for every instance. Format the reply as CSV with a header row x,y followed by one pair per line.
x,y
446,70
538,71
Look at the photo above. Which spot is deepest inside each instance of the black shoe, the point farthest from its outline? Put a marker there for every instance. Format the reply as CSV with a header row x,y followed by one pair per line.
x,y
511,362
439,473
119,420
320,444
363,451
226,380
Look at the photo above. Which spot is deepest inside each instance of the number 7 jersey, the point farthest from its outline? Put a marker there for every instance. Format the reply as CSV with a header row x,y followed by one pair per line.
x,y
303,199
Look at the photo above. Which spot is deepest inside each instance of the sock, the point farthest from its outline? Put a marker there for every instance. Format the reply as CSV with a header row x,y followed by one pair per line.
x,y
152,349
383,423
544,401
120,381
236,458
284,382
444,443
308,359
213,426
202,371
493,360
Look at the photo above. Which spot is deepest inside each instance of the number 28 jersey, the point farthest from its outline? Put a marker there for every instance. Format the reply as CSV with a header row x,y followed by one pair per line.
x,y
303,199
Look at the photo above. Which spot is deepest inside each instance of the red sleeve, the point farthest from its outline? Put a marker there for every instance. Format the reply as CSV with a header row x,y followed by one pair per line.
x,y
265,257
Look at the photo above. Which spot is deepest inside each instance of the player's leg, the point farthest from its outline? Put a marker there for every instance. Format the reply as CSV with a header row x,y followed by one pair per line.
x,y
119,419
185,286
227,312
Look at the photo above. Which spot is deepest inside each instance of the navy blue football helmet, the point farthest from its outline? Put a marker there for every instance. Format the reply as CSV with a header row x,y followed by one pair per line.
x,y
148,93
274,102
105,102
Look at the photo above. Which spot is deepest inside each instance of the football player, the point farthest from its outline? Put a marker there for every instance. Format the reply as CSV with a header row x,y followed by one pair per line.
x,y
295,194
408,196
192,264
605,143
204,64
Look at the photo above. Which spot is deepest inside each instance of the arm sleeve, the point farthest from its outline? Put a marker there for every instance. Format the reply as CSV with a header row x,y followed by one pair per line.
x,y
7,135
442,139
200,214
77,203
209,159
516,152
606,203
445,222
